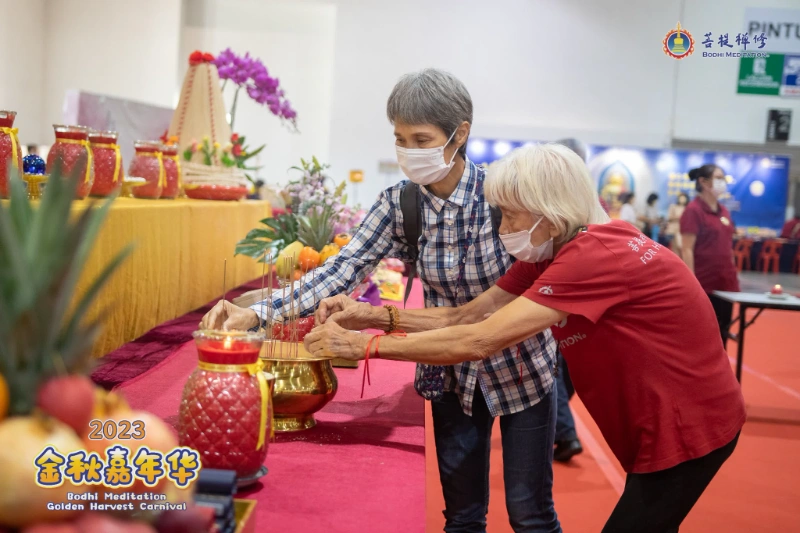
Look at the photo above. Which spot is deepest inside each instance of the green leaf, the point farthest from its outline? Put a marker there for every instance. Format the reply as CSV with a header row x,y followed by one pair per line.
x,y
91,293
255,152
259,233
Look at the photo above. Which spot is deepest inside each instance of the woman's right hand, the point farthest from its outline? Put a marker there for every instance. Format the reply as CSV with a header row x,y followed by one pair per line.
x,y
345,311
227,316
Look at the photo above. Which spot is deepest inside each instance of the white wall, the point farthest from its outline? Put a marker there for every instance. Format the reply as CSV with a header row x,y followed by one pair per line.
x,y
114,47
296,43
22,33
536,70
708,106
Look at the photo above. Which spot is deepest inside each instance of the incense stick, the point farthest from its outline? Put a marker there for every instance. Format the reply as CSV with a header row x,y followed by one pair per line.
x,y
261,295
299,313
224,275
271,311
314,288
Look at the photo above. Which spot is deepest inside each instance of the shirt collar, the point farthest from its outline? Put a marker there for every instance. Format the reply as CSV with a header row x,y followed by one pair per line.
x,y
707,208
463,191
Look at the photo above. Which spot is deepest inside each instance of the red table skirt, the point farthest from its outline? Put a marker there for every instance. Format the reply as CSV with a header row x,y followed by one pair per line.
x,y
362,468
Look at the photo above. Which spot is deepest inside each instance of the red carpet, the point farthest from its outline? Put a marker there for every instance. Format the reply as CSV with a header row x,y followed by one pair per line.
x,y
362,464
757,488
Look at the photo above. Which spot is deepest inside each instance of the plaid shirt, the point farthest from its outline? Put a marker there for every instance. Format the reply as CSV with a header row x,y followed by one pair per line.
x,y
443,238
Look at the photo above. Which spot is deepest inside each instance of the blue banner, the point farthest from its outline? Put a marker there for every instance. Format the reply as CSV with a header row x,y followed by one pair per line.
x,y
757,183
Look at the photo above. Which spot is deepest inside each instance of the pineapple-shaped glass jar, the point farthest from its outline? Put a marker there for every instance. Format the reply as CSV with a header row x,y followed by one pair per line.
x,y
10,154
148,163
73,150
108,172
172,170
226,408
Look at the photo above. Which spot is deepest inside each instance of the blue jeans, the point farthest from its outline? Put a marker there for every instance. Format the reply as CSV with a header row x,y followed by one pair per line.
x,y
565,424
462,448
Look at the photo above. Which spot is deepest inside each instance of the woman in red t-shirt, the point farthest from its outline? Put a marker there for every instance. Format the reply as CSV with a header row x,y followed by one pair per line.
x,y
633,323
707,232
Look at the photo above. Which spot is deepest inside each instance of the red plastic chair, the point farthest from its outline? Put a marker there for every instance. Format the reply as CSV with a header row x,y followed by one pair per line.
x,y
770,256
741,253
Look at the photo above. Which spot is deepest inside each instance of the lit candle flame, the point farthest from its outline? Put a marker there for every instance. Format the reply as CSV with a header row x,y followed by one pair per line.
x,y
228,343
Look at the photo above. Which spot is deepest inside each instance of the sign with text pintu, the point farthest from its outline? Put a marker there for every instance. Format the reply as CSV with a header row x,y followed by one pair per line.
x,y
777,74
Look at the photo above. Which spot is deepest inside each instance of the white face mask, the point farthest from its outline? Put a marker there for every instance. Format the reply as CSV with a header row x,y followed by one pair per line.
x,y
719,187
519,245
425,165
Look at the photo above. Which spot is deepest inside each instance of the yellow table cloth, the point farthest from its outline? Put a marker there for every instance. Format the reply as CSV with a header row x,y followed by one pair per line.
x,y
176,265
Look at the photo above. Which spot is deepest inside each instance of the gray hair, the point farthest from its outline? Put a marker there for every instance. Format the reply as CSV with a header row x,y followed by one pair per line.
x,y
575,145
548,180
431,96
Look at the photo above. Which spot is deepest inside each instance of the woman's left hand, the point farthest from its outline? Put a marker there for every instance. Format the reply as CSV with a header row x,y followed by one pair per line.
x,y
332,340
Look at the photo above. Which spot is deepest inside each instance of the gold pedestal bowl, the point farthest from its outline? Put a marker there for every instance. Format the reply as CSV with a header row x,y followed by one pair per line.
x,y
304,384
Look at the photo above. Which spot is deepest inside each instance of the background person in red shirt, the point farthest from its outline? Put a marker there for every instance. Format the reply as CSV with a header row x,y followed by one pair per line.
x,y
632,321
707,231
791,230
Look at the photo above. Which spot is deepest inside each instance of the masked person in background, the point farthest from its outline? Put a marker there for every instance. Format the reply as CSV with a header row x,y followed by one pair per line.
x,y
460,257
707,231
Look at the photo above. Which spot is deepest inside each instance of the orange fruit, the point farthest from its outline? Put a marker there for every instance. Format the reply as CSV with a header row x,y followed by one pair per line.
x,y
341,240
4,397
298,275
327,252
309,259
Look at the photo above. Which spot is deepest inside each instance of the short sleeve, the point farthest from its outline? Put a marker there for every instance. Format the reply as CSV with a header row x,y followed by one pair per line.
x,y
585,279
519,277
690,221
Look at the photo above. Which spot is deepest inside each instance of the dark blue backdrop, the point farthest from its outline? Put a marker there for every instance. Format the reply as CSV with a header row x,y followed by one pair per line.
x,y
757,183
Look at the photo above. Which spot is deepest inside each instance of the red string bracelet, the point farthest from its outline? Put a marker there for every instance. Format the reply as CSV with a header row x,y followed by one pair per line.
x,y
377,340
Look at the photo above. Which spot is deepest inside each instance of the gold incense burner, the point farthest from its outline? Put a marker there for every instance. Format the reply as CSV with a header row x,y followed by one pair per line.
x,y
304,384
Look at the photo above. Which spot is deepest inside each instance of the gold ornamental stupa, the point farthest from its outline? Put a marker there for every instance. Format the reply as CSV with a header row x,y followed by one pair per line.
x,y
677,47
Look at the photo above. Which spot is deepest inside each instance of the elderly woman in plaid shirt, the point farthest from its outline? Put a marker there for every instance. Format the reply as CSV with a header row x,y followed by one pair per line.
x,y
460,257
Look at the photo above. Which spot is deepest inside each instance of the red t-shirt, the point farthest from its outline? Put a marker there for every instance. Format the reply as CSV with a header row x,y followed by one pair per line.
x,y
713,250
642,345
791,230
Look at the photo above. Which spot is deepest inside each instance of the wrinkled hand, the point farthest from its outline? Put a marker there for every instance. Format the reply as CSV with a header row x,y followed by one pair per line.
x,y
332,340
345,311
227,316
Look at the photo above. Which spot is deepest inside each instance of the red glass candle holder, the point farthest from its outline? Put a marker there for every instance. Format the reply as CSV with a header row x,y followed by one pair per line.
x,y
226,408
73,150
172,168
108,169
148,163
10,153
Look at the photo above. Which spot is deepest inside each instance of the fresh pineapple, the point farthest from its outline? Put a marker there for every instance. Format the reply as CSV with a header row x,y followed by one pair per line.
x,y
43,333
316,228
42,254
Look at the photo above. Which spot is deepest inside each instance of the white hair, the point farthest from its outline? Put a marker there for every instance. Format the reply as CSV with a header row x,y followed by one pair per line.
x,y
549,180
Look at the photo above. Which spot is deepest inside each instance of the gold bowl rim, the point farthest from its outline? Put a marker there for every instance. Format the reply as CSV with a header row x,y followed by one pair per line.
x,y
302,355
219,335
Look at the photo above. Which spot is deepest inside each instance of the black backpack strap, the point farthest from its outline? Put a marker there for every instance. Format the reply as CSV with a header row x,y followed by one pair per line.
x,y
410,199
